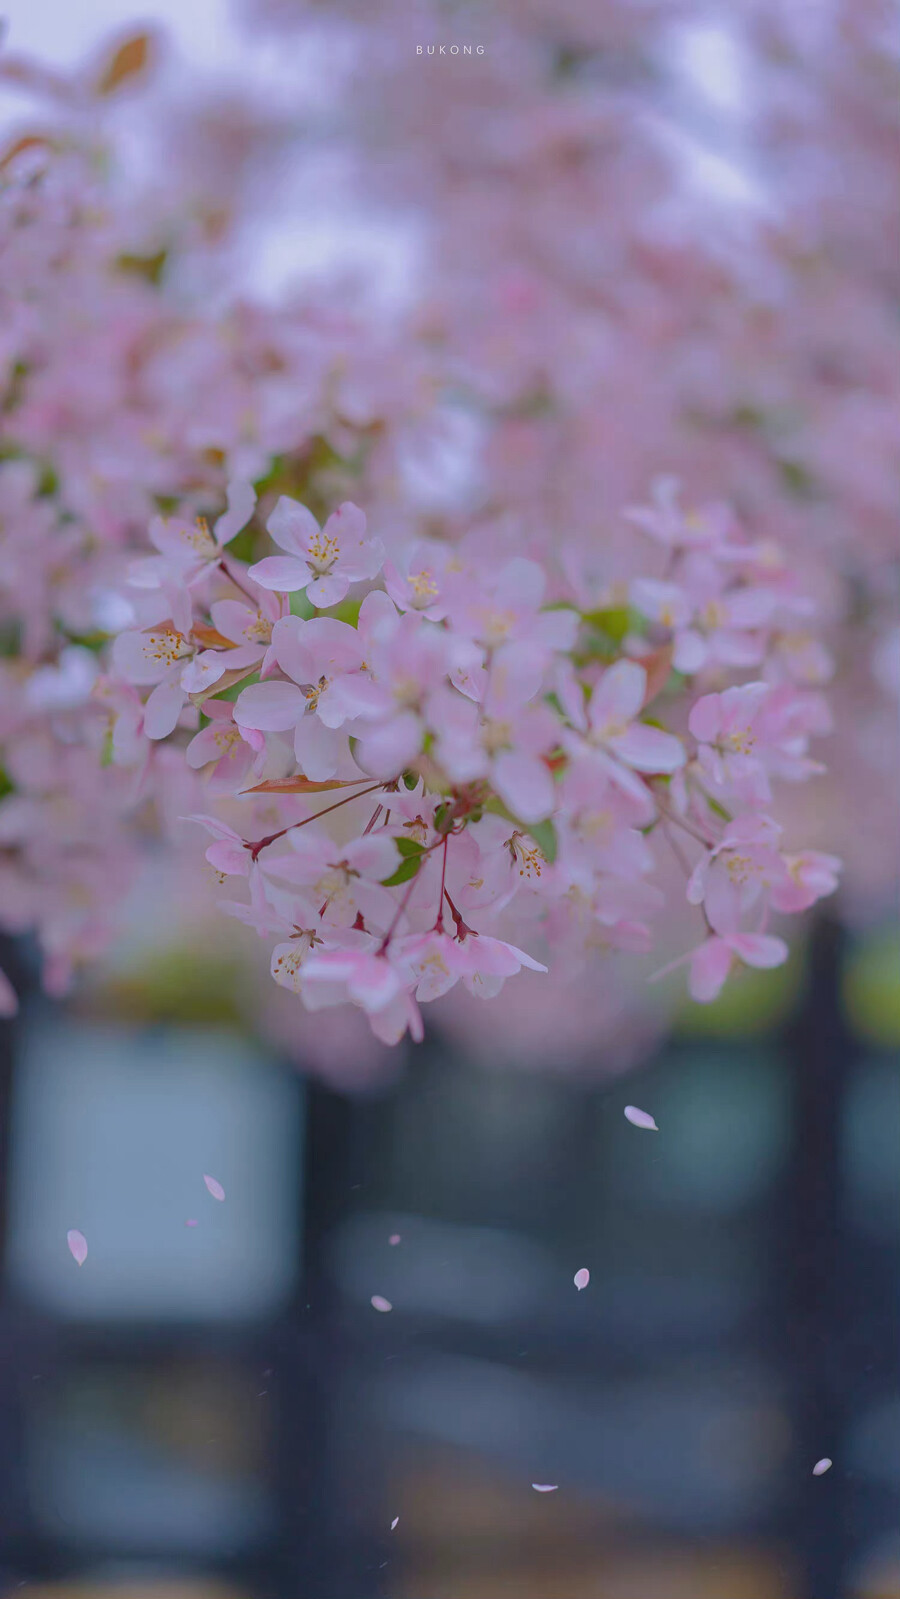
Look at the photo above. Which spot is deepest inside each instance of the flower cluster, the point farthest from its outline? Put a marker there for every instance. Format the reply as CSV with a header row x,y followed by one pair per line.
x,y
588,303
498,752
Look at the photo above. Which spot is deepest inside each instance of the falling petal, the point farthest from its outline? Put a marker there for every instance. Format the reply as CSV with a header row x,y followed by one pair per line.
x,y
821,1466
77,1246
582,1278
394,1522
379,1303
640,1118
394,1238
191,1221
215,1188
545,1487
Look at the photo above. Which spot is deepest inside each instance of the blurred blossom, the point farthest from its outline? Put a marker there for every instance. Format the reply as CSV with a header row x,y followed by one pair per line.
x,y
490,300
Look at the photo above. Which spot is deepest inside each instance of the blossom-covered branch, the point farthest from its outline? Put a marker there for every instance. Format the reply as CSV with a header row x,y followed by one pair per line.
x,y
505,754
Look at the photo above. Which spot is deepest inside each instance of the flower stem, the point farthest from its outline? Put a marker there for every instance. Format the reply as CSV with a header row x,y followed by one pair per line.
x,y
263,843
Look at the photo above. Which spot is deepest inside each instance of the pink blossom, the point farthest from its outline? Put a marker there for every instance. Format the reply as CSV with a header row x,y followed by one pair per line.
x,y
418,583
810,876
338,882
368,979
157,657
505,604
482,963
228,854
323,689
711,962
739,874
188,548
613,727
505,740
230,752
323,561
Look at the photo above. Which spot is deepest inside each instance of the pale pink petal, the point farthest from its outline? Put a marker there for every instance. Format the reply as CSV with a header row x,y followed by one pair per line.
x,y
213,825
378,1302
705,720
231,618
191,1222
77,1246
648,749
759,949
373,856
395,1523
271,707
284,574
582,1278
619,695
517,673
394,1238
292,526
145,657
330,590
229,858
545,1487
318,748
710,965
689,653
214,1187
384,751
241,505
821,1466
640,1118
163,709
392,1020
525,785
350,695
203,748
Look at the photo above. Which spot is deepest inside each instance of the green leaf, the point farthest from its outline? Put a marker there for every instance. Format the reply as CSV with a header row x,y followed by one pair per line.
x,y
301,606
149,267
615,621
404,872
346,611
797,479
409,847
95,641
544,835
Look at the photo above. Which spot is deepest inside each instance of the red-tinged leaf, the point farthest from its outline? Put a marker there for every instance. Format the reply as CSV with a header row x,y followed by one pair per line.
x,y
658,666
28,141
131,58
212,638
227,680
299,785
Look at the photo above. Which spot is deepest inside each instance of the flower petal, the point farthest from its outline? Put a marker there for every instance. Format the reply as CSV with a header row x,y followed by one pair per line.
x,y
163,709
77,1246
282,573
292,526
640,1118
271,707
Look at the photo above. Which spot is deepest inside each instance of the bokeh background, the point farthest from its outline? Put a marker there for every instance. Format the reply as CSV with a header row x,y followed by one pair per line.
x,y
211,1408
